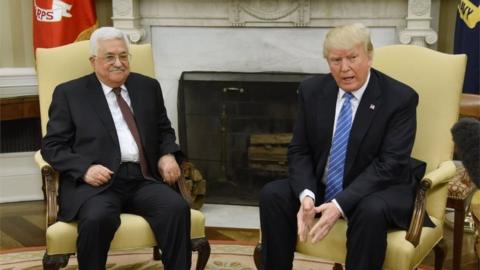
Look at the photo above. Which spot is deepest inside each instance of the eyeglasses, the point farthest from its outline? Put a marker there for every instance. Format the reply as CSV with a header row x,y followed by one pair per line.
x,y
112,58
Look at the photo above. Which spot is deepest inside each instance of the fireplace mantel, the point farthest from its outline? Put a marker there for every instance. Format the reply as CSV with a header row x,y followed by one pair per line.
x,y
412,19
261,35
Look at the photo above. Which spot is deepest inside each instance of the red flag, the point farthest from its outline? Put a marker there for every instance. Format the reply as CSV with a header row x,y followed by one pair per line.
x,y
59,22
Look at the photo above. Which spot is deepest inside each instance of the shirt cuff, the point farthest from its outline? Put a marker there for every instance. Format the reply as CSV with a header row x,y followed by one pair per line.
x,y
339,208
305,193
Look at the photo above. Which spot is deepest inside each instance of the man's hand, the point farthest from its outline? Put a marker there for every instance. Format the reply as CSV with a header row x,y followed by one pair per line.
x,y
169,169
330,215
305,217
97,175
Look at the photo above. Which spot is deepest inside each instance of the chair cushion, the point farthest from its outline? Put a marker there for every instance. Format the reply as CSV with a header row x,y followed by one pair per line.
x,y
401,254
134,232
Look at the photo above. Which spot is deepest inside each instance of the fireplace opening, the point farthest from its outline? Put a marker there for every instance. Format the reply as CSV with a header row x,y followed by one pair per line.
x,y
235,127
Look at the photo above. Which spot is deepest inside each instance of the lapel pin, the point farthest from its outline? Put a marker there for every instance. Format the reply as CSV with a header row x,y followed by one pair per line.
x,y
372,107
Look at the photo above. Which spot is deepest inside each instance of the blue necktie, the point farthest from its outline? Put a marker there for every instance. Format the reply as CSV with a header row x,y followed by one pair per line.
x,y
336,163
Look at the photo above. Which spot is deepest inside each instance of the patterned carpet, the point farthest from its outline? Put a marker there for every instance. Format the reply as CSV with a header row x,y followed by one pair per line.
x,y
223,257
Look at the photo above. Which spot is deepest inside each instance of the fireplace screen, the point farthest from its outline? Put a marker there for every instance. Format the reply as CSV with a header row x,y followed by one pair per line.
x,y
235,127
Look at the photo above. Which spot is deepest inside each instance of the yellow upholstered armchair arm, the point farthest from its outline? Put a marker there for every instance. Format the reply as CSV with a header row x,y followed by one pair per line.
x,y
433,179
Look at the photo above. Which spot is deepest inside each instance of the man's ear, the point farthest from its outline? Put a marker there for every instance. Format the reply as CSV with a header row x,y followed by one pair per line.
x,y
92,61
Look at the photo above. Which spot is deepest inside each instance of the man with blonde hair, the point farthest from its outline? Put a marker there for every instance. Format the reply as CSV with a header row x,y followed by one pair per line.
x,y
349,158
111,140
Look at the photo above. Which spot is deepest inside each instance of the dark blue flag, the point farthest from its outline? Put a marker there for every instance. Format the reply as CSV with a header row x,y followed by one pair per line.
x,y
467,40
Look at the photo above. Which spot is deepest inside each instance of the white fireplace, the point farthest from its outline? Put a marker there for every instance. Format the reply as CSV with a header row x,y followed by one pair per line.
x,y
261,35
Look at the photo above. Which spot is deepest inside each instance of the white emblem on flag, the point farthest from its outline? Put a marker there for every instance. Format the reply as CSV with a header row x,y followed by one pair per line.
x,y
59,9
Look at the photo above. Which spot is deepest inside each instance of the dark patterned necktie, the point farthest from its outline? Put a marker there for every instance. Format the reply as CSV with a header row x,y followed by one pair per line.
x,y
336,162
132,125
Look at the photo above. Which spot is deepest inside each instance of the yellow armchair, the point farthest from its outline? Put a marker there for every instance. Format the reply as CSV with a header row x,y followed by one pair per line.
x,y
61,64
438,79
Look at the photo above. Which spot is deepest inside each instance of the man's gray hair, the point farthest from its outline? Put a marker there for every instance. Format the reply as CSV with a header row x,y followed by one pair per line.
x,y
106,33
347,37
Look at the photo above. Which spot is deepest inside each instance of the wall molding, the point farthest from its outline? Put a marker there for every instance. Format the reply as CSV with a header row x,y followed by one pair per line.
x,y
15,82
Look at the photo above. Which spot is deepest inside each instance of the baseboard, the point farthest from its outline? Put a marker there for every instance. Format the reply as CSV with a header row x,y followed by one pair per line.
x,y
20,178
231,216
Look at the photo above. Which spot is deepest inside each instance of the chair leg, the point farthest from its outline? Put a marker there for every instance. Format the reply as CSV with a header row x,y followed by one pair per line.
x,y
54,262
202,246
458,229
337,266
257,256
156,254
440,251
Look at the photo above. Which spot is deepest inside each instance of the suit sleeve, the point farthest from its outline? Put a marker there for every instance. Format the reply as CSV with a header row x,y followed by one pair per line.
x,y
392,160
300,159
57,143
166,134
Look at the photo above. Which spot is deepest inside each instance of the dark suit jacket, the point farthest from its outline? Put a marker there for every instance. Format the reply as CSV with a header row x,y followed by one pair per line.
x,y
379,148
81,132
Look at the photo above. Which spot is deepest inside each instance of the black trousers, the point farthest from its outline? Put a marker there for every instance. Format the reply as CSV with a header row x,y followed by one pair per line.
x,y
366,233
164,209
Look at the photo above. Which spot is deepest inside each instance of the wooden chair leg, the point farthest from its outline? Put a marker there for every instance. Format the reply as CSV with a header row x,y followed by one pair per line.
x,y
54,262
440,251
337,266
257,256
202,246
156,254
458,229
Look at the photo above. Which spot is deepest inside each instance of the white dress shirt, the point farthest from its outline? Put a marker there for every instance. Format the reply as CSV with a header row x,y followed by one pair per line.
x,y
128,146
355,101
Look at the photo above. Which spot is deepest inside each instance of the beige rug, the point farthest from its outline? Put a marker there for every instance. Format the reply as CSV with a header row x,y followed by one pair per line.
x,y
223,257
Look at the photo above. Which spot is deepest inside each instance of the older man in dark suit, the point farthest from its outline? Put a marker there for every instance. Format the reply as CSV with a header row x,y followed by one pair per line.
x,y
110,139
349,156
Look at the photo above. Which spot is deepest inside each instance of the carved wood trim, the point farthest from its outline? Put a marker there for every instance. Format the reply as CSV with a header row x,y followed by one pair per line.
x,y
415,230
191,185
182,187
50,183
